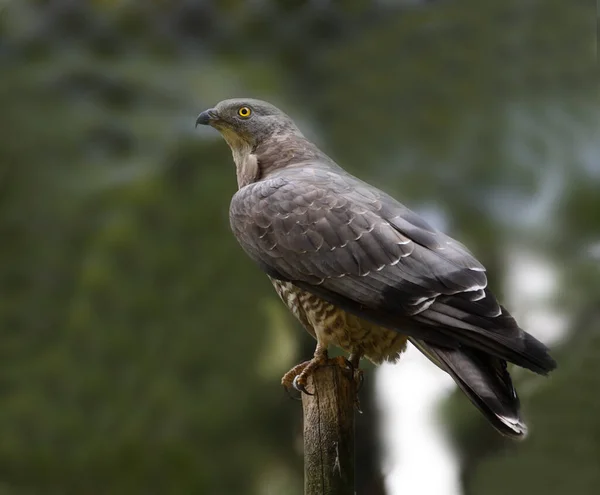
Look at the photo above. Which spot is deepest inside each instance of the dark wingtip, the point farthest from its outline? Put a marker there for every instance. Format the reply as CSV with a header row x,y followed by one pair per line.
x,y
538,355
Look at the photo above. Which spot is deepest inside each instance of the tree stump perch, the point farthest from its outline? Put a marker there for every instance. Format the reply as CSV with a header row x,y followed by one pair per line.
x,y
329,432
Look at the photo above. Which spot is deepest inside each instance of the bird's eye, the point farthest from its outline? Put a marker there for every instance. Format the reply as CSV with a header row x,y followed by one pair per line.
x,y
244,112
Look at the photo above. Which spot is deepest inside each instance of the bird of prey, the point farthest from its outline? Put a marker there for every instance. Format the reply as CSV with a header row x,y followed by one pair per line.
x,y
361,271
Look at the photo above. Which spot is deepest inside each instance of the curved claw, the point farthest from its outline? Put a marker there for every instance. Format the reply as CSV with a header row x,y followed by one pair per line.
x,y
349,365
300,387
289,394
361,380
357,406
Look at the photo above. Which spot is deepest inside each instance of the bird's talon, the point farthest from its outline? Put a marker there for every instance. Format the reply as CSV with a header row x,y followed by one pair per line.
x,y
289,393
349,365
359,379
343,363
300,386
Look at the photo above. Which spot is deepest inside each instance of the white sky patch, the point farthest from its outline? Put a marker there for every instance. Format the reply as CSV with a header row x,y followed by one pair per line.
x,y
418,460
532,285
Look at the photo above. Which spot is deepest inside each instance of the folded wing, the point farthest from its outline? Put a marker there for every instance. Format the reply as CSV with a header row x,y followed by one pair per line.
x,y
351,244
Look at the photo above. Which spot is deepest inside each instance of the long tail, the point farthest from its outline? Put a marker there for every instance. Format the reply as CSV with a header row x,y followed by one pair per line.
x,y
485,380
477,324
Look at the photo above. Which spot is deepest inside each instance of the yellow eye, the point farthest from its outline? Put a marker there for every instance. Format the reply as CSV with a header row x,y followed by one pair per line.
x,y
244,112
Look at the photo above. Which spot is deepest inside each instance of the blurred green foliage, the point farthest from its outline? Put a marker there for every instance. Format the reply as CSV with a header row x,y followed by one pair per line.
x,y
141,351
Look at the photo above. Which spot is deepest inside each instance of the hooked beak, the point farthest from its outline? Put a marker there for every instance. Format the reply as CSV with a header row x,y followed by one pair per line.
x,y
207,117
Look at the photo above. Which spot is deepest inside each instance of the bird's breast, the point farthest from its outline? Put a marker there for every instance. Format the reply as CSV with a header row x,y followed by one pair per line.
x,y
332,325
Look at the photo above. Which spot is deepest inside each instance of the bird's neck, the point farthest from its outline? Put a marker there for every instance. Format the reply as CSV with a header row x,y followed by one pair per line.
x,y
272,154
246,168
280,151
246,165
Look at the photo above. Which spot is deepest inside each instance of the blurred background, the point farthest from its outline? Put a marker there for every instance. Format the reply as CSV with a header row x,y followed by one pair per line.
x,y
141,351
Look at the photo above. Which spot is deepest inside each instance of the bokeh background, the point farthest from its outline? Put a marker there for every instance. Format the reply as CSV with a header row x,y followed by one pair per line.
x,y
141,352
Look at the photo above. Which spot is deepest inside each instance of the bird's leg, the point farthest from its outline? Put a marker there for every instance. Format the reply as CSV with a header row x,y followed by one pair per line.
x,y
297,377
357,373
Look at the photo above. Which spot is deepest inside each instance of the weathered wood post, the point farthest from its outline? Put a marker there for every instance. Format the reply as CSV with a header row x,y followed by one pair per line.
x,y
329,432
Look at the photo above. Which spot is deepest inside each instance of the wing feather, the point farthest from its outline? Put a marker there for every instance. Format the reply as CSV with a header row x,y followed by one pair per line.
x,y
353,245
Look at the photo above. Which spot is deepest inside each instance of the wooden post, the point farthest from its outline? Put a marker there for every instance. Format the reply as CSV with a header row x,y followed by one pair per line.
x,y
329,432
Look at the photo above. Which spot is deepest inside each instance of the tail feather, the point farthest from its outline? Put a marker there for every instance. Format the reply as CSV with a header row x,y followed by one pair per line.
x,y
499,336
485,381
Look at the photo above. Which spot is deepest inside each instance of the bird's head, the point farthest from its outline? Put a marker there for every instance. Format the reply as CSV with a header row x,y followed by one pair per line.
x,y
245,122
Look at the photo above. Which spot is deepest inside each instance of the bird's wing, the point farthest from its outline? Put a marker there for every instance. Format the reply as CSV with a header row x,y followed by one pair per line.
x,y
325,229
353,245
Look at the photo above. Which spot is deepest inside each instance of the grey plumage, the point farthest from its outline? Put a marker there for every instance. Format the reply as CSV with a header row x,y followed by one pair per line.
x,y
307,222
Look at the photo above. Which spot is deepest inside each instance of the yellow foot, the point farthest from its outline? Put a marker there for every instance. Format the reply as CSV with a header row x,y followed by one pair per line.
x,y
297,377
288,379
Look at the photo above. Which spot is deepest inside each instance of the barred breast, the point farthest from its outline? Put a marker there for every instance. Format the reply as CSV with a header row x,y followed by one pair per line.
x,y
331,325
